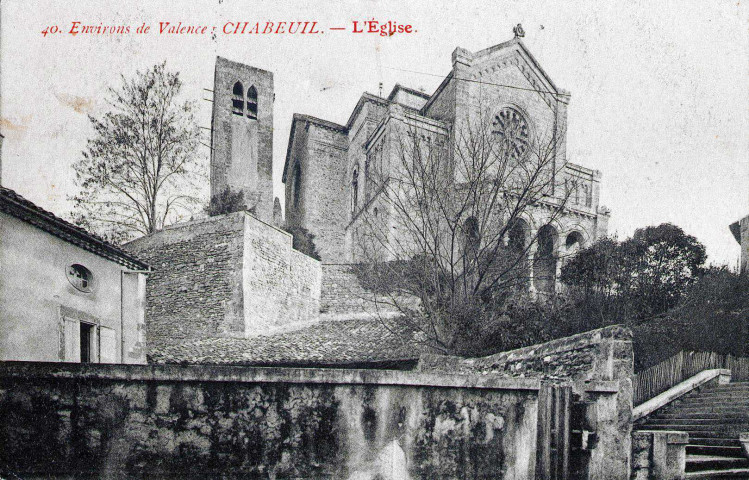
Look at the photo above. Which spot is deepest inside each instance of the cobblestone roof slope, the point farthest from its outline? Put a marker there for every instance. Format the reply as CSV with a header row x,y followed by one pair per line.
x,y
328,342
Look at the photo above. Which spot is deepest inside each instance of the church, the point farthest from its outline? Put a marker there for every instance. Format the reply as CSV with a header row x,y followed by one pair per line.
x,y
330,169
228,287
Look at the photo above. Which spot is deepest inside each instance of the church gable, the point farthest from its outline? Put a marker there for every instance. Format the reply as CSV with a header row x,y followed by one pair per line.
x,y
513,63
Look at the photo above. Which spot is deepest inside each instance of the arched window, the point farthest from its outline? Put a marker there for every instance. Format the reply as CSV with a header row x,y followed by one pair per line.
x,y
587,196
237,99
296,186
545,260
355,190
252,103
573,242
516,263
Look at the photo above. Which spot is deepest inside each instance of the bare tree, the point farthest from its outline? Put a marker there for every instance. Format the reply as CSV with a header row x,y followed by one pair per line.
x,y
140,170
441,237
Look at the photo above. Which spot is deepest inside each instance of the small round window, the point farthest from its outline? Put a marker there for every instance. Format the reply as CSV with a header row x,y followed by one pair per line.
x,y
80,277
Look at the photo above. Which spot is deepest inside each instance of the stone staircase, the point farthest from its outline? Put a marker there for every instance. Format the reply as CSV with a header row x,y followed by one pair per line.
x,y
714,416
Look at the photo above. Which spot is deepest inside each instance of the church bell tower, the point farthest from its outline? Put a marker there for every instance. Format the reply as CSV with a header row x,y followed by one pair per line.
x,y
242,135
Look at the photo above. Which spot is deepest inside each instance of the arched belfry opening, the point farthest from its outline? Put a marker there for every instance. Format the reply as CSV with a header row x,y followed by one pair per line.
x,y
545,260
252,103
574,242
237,99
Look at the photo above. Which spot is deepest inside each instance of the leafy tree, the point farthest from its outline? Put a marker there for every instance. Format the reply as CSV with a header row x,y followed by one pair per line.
x,y
648,273
140,170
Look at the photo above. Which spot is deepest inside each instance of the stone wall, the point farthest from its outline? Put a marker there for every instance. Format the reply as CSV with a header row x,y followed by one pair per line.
x,y
599,355
281,285
603,354
199,422
195,289
230,275
317,161
659,454
343,295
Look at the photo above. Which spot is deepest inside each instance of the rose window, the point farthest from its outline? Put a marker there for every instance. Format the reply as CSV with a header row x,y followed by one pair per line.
x,y
512,129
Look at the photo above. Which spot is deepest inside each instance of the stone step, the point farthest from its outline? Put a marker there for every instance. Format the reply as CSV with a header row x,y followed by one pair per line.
x,y
739,416
725,451
725,391
717,420
719,401
731,386
734,473
733,409
721,431
714,441
697,463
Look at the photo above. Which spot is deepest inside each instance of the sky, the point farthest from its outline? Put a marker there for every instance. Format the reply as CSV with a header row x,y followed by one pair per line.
x,y
660,88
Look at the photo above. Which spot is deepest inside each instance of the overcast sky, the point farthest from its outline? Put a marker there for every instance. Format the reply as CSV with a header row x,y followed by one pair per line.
x,y
660,89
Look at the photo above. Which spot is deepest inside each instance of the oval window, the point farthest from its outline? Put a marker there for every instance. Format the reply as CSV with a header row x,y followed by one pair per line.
x,y
80,277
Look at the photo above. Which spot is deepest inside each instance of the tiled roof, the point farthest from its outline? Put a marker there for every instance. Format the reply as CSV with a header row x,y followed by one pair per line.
x,y
14,204
324,343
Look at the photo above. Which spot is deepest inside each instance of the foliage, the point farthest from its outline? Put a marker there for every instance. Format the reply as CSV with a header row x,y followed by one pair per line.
x,y
140,170
457,204
649,272
227,201
303,241
712,315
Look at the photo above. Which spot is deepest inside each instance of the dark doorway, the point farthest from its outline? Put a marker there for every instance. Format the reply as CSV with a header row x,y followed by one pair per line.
x,y
86,334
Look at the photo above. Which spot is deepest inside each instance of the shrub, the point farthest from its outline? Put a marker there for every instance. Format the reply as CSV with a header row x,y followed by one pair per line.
x,y
225,202
303,241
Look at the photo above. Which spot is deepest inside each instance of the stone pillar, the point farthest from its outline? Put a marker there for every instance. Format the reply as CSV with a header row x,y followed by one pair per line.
x,y
531,258
659,454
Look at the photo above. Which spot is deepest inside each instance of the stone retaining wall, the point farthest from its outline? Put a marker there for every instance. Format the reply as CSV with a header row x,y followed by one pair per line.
x,y
598,355
603,354
200,422
226,276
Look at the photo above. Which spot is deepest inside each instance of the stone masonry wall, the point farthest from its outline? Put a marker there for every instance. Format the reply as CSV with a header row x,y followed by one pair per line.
x,y
281,285
111,421
603,354
343,296
658,454
599,355
229,275
195,289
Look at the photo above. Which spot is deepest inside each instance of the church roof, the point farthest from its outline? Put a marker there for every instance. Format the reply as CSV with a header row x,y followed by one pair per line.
x,y
14,204
352,342
398,87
